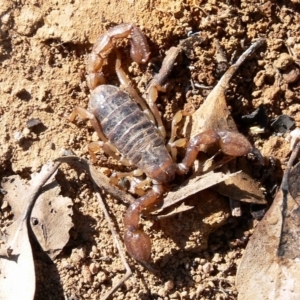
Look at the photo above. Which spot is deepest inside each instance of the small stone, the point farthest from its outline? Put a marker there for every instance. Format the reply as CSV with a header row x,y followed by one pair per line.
x,y
95,249
75,257
283,123
207,268
291,75
6,18
183,294
94,268
4,205
28,20
101,277
283,61
18,136
296,50
87,276
217,258
95,137
33,122
162,292
169,285
26,132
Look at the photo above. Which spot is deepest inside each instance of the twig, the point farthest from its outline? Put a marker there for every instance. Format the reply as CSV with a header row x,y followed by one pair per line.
x,y
121,251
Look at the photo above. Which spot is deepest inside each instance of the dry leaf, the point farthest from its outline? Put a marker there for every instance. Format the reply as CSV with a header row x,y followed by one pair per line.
x,y
241,187
51,220
17,276
270,267
193,186
177,210
213,113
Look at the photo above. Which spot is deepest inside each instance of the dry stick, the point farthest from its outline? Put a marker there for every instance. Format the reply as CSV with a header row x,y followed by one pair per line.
x,y
121,251
46,172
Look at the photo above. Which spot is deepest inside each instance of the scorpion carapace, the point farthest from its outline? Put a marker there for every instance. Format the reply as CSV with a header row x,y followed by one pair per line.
x,y
126,126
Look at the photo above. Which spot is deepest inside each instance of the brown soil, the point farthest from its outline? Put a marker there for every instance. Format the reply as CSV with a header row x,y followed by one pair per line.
x,y
42,53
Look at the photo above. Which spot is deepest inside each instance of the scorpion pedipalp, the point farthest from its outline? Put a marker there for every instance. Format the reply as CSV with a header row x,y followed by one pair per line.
x,y
139,50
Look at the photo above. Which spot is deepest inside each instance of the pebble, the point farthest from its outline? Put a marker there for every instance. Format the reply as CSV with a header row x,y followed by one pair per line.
x,y
283,61
169,285
94,268
101,277
87,276
207,268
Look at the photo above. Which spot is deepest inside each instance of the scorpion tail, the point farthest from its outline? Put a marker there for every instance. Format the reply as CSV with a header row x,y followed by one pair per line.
x,y
138,244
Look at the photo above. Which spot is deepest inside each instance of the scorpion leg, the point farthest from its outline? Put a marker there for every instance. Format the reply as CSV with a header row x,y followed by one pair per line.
x,y
138,188
137,242
172,144
157,84
231,143
108,148
127,86
118,175
104,144
151,99
85,114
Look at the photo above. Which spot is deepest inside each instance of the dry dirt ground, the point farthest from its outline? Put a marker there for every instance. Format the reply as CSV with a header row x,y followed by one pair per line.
x,y
42,53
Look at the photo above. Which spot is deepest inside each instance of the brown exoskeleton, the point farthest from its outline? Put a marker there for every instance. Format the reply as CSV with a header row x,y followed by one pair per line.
x,y
125,124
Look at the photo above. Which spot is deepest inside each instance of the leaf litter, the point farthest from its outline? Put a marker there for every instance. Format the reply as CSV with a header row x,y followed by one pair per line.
x,y
17,275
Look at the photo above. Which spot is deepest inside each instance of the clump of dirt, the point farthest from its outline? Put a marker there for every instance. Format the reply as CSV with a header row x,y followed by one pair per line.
x,y
42,53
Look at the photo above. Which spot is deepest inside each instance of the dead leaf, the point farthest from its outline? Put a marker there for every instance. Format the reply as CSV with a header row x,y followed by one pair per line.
x,y
213,113
6,252
241,187
193,186
270,267
17,276
177,210
51,219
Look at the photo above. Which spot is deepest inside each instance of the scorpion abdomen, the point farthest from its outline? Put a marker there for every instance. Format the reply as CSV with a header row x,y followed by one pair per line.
x,y
132,133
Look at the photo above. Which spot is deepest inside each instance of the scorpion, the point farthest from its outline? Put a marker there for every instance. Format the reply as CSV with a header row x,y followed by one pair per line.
x,y
131,129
